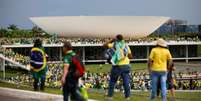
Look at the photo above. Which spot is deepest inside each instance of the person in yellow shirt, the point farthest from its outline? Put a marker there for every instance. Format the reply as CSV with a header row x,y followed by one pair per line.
x,y
120,65
159,61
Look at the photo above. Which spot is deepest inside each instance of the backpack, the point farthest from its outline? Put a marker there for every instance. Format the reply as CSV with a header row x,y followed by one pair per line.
x,y
79,67
109,53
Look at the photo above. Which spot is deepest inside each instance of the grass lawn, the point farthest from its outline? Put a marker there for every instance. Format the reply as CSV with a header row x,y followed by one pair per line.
x,y
136,96
144,96
93,68
12,72
8,74
104,68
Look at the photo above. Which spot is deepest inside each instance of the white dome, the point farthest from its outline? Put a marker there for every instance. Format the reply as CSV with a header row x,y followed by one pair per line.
x,y
100,26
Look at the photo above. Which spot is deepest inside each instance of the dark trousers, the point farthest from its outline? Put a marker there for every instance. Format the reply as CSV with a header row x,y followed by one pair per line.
x,y
42,83
122,71
39,79
71,89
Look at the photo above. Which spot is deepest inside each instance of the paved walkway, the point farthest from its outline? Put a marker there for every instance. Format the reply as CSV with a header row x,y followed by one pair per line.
x,y
8,94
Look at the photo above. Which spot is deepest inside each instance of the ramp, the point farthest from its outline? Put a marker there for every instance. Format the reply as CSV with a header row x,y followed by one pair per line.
x,y
8,94
14,62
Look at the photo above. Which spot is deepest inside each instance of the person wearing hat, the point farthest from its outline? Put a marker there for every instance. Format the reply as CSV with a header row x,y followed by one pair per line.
x,y
159,61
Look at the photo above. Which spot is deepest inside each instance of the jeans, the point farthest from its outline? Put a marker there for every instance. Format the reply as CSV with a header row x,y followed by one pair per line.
x,y
154,83
122,71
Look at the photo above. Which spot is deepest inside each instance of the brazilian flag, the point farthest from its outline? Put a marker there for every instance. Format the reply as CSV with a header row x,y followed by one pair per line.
x,y
38,62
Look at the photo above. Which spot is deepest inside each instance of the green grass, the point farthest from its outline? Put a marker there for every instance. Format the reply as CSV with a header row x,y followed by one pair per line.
x,y
93,68
7,74
11,72
104,68
136,96
144,96
22,87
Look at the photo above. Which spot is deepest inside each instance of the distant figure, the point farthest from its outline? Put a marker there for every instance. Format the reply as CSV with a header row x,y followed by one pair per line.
x,y
70,76
38,64
170,79
157,66
120,65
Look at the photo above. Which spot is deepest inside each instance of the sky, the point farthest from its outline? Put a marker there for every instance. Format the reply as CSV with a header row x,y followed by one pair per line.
x,y
18,11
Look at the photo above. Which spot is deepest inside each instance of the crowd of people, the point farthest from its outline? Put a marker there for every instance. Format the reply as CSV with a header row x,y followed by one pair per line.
x,y
18,41
54,75
64,75
139,80
9,53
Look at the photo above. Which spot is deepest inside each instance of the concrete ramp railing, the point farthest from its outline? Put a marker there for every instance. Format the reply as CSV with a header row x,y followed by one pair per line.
x,y
14,62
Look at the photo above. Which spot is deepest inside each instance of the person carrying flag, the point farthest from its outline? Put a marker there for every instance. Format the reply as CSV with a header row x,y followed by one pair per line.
x,y
38,63
120,65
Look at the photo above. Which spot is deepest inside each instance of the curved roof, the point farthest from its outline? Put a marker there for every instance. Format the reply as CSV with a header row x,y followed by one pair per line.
x,y
100,26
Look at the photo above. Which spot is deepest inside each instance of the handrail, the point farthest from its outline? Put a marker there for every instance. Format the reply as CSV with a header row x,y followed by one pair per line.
x,y
14,62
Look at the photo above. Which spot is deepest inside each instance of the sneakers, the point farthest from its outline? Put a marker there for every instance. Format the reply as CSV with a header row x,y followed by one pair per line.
x,y
109,98
127,98
152,98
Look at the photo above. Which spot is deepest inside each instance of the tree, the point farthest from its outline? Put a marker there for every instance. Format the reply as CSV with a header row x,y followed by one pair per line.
x,y
3,32
13,27
37,31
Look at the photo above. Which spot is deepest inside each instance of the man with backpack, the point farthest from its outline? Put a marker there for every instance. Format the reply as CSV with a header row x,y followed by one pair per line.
x,y
120,65
72,71
38,63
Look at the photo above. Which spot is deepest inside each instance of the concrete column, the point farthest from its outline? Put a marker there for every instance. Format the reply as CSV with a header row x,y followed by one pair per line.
x,y
148,52
83,55
4,69
186,53
60,53
1,64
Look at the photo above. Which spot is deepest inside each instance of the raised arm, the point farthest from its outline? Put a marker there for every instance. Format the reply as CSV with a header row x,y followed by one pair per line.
x,y
106,44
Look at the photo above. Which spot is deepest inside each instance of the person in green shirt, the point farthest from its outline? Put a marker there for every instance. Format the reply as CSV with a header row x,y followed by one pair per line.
x,y
68,81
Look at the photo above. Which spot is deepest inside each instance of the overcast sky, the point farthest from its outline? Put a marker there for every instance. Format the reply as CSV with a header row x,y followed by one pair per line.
x,y
18,11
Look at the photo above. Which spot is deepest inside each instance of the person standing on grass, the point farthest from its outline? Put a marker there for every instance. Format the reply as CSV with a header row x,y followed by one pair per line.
x,y
120,65
69,80
38,63
157,66
170,80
